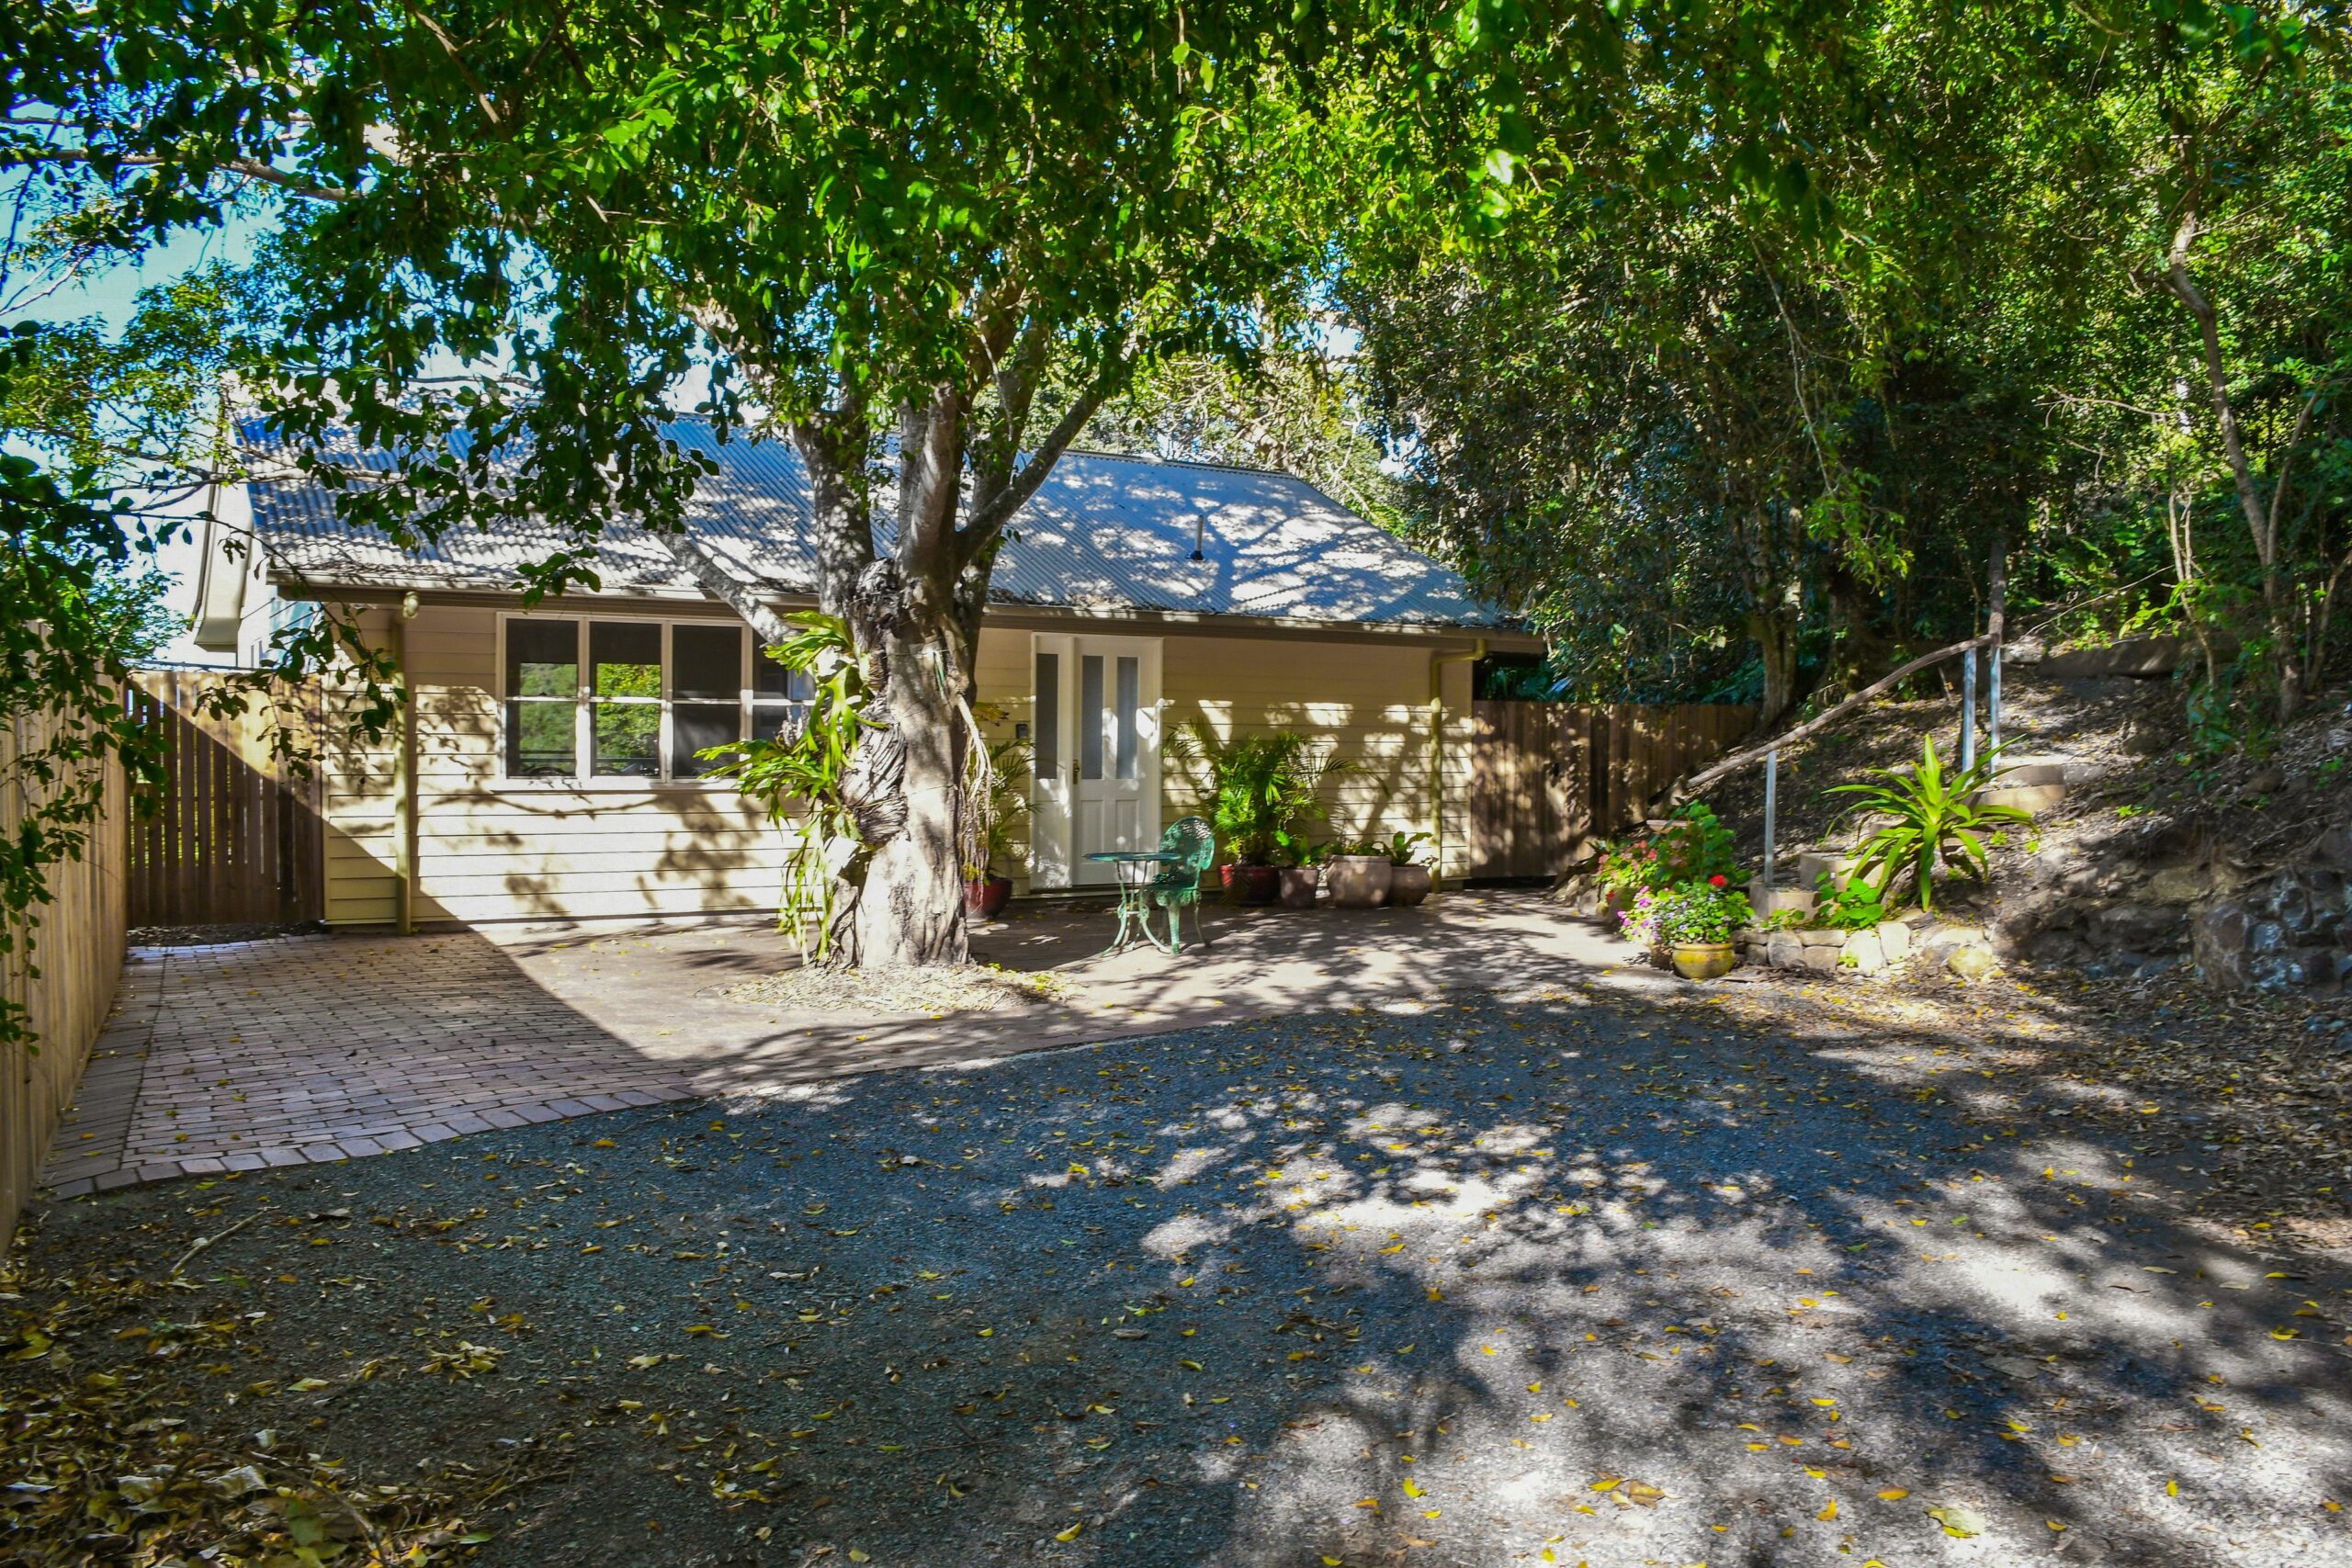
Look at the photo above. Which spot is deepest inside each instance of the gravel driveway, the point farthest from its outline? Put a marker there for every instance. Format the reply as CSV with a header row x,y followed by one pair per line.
x,y
1570,1279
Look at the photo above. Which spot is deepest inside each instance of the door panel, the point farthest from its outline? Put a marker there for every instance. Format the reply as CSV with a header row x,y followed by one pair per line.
x,y
1101,789
1050,731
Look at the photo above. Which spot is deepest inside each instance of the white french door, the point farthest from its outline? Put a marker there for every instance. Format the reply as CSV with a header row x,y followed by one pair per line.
x,y
1095,727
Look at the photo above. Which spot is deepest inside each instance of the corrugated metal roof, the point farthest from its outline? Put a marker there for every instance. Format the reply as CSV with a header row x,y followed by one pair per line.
x,y
1103,533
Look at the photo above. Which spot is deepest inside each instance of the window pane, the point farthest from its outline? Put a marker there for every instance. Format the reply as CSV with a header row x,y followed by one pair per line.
x,y
1089,716
1047,727
693,726
624,659
707,661
1130,698
767,719
542,659
770,679
542,741
628,738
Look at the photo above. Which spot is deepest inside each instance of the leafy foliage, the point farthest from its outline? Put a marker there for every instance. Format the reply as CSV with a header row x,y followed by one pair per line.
x,y
1857,905
1695,846
1936,821
1258,788
800,776
1692,913
998,804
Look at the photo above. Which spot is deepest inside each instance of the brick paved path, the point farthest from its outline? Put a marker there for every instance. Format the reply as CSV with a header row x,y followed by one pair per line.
x,y
317,1048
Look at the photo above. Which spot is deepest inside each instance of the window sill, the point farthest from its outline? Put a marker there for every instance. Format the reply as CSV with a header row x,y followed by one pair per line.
x,y
612,785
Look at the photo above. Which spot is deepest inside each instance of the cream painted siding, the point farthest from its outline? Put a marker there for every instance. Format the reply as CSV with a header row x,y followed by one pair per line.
x,y
491,849
1367,699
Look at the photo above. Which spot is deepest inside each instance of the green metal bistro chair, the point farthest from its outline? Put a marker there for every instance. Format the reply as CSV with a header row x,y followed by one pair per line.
x,y
1179,884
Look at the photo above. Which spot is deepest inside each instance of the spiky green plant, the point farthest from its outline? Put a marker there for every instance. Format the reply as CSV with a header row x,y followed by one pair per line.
x,y
1937,820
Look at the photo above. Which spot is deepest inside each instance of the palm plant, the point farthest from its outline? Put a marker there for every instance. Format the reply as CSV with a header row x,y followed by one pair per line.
x,y
1258,790
1000,800
1936,819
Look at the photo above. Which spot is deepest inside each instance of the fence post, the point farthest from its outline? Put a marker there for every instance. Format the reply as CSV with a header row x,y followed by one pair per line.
x,y
1771,812
2000,582
1968,711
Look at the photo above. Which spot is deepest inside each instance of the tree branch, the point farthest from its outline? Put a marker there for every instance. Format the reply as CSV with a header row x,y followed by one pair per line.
x,y
266,173
1756,753
991,519
723,584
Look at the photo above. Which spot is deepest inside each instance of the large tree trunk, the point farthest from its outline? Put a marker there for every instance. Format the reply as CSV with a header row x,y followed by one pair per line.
x,y
909,895
911,908
1775,631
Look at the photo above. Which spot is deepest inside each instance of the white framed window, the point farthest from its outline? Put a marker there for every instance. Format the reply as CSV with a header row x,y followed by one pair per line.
x,y
620,699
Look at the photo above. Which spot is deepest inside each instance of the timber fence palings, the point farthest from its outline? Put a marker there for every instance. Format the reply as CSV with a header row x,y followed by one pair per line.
x,y
1547,778
66,982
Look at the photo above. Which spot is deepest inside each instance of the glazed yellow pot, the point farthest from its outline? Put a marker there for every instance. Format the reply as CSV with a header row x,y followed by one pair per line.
x,y
1703,959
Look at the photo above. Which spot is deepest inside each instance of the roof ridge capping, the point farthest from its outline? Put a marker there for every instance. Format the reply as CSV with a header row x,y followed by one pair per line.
x,y
1154,460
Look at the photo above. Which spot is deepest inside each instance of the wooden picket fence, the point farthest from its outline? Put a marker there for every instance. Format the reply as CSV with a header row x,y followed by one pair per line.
x,y
236,837
1548,778
65,984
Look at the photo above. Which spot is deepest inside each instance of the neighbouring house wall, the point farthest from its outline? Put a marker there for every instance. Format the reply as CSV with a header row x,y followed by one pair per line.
x,y
495,849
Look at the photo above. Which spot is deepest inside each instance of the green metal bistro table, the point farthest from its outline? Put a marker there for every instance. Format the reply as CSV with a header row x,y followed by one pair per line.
x,y
1138,871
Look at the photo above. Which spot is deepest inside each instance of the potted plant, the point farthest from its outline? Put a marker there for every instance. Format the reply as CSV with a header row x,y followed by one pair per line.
x,y
1301,878
999,795
1359,875
1695,922
1409,879
1258,791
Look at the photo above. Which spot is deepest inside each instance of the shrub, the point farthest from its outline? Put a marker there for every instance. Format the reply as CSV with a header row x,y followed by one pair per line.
x,y
1850,907
1258,790
1697,912
1693,846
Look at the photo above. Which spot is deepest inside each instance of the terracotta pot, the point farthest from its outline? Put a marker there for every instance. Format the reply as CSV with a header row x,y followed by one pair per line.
x,y
1259,884
1703,959
1407,885
1299,883
986,896
1360,882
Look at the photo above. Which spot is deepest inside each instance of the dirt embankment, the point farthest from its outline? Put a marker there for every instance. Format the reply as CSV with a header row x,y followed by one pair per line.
x,y
2235,865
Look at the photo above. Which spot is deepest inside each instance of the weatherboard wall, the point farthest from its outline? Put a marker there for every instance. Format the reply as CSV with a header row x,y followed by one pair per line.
x,y
495,849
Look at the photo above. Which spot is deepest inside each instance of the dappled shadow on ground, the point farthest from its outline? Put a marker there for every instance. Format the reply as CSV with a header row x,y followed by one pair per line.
x,y
1467,1283
668,991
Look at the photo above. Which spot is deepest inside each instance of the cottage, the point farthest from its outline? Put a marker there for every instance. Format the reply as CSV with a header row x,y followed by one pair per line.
x,y
546,767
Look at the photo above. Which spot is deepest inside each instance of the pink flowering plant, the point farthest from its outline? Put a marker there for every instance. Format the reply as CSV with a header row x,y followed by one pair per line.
x,y
1693,846
1638,923
1694,914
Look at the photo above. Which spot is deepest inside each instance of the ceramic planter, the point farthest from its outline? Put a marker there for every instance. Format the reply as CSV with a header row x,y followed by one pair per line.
x,y
1299,883
1256,884
1703,959
1360,882
986,896
1407,885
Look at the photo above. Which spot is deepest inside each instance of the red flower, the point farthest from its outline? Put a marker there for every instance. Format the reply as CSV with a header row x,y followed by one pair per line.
x,y
1718,880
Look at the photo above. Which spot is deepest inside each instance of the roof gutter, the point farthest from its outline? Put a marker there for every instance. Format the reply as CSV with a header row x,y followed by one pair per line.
x,y
1438,662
